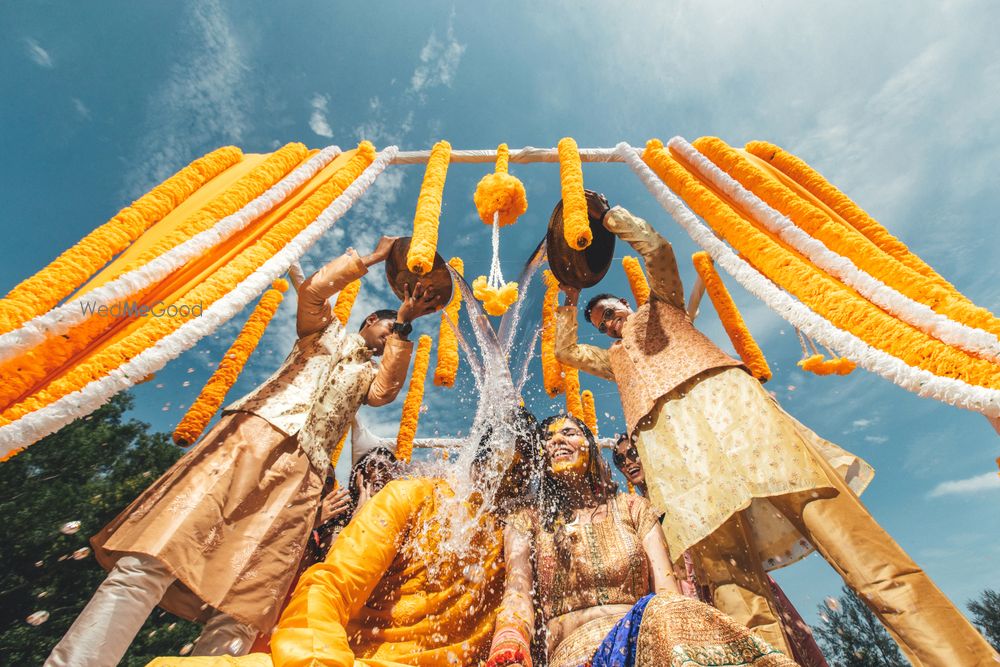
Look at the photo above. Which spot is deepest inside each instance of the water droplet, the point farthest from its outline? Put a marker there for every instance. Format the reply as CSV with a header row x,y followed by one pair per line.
x,y
42,594
37,618
81,553
187,648
39,563
832,604
70,528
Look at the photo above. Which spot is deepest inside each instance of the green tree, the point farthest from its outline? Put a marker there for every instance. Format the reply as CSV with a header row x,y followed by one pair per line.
x,y
852,636
986,615
87,472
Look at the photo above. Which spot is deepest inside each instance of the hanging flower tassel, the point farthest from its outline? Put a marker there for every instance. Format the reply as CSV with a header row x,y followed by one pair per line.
x,y
414,398
574,403
817,363
576,224
423,245
214,392
447,357
732,320
499,199
345,301
636,279
500,195
589,411
552,371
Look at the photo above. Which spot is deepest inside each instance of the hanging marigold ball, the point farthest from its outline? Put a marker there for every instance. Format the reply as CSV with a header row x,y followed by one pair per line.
x,y
502,195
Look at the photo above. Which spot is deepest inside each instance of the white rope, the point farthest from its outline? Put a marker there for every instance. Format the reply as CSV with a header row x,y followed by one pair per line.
x,y
61,319
528,154
877,292
42,422
919,381
496,275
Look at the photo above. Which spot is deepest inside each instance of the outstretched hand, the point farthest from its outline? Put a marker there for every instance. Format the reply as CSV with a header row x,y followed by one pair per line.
x,y
421,301
572,294
381,251
335,504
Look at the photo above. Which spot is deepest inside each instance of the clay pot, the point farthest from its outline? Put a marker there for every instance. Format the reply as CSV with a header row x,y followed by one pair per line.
x,y
581,268
398,275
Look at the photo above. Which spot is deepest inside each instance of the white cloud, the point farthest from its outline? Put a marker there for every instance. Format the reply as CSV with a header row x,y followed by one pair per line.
x,y
201,104
988,481
38,55
81,108
876,439
438,61
318,122
861,423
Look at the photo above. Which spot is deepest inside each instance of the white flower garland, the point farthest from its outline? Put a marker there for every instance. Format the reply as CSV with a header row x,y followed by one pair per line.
x,y
912,312
62,318
42,422
919,381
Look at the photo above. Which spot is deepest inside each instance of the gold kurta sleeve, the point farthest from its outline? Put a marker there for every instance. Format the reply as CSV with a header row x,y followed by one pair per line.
x,y
312,630
657,253
314,311
589,358
391,372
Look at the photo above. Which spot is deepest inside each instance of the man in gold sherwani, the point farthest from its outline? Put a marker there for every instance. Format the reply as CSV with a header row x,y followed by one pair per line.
x,y
218,537
740,482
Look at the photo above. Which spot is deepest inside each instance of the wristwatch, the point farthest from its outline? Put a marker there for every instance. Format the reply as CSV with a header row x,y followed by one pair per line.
x,y
402,329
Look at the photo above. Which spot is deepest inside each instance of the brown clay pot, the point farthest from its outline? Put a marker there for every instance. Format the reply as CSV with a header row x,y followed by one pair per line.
x,y
398,275
581,268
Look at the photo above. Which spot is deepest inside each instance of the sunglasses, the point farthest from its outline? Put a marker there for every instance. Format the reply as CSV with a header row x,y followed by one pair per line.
x,y
631,454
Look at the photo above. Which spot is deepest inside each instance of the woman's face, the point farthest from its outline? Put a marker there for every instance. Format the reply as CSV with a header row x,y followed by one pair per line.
x,y
626,459
566,448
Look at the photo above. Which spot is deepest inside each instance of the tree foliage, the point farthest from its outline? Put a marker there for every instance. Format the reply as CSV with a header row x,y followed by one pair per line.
x,y
852,636
986,615
87,472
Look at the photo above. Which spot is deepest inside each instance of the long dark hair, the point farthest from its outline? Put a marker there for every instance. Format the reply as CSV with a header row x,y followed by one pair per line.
x,y
553,505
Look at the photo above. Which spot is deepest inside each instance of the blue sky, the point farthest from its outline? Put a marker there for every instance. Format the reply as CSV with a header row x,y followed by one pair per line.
x,y
897,105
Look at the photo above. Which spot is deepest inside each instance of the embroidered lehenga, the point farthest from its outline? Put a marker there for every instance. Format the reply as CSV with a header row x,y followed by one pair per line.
x,y
600,569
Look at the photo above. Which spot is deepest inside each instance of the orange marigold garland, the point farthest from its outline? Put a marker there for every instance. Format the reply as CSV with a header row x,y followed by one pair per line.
x,y
345,301
414,398
420,257
214,392
903,271
574,404
636,279
212,288
732,320
589,411
37,294
822,294
576,223
447,347
26,370
552,371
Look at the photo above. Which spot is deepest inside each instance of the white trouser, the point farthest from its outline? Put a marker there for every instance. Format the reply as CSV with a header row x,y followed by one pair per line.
x,y
224,635
102,632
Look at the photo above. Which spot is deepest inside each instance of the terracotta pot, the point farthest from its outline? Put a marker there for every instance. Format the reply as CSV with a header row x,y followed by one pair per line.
x,y
581,268
398,275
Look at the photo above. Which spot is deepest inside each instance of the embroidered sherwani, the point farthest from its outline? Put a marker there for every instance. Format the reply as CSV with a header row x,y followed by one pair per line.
x,y
231,517
742,483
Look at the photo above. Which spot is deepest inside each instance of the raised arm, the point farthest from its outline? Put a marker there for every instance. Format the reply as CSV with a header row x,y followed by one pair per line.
x,y
391,372
516,619
312,630
315,311
589,358
656,251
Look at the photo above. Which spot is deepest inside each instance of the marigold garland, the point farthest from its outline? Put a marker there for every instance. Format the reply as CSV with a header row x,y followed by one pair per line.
x,y
822,294
11,454
25,371
574,404
411,404
576,223
732,320
214,287
552,370
214,392
819,365
255,183
447,347
345,301
500,193
589,410
496,300
636,279
908,277
337,450
423,245
37,294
